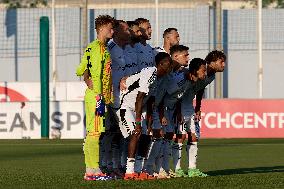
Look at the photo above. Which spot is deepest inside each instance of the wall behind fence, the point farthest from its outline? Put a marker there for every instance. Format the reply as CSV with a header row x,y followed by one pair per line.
x,y
19,49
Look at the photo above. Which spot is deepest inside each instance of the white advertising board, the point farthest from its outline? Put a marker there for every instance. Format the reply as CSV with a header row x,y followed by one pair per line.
x,y
25,122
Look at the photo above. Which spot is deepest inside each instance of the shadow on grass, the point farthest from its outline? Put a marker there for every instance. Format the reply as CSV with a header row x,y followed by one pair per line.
x,y
246,170
15,154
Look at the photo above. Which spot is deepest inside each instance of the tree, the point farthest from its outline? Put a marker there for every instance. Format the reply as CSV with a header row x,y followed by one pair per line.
x,y
24,3
266,3
280,3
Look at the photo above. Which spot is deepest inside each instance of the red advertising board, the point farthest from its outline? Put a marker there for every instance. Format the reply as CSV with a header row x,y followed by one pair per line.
x,y
242,118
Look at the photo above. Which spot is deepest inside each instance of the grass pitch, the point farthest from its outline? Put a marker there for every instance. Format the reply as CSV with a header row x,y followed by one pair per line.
x,y
231,163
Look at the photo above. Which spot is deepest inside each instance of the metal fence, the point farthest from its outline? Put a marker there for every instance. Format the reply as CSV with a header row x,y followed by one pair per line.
x,y
19,39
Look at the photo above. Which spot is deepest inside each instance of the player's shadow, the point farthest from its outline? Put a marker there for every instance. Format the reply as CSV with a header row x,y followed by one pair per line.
x,y
246,170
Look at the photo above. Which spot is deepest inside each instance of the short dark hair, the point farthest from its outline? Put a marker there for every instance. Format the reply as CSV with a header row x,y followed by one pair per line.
x,y
168,30
161,56
178,48
102,20
141,20
195,65
214,56
132,23
117,23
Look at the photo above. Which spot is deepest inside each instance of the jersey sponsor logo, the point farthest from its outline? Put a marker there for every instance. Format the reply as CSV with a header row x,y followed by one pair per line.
x,y
179,95
130,65
147,64
123,68
153,77
119,67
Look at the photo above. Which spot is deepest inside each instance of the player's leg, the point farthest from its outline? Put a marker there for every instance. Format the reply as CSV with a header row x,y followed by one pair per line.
x,y
192,149
162,159
91,145
109,135
124,141
161,170
123,153
92,166
155,145
115,143
102,162
142,151
168,137
143,146
116,158
127,117
177,149
108,150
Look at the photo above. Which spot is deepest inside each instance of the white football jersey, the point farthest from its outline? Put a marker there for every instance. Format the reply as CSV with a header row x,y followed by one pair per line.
x,y
143,81
145,55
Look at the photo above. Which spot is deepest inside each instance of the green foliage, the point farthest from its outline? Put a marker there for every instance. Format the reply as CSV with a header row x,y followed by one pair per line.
x,y
266,3
280,3
25,3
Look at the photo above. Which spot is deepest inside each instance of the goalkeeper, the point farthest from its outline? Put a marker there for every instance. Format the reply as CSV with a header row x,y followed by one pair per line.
x,y
95,67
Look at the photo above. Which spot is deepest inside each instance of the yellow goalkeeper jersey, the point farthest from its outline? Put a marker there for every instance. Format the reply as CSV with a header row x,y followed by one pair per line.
x,y
97,59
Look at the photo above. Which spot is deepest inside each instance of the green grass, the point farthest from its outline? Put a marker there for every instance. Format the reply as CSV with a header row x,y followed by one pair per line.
x,y
234,163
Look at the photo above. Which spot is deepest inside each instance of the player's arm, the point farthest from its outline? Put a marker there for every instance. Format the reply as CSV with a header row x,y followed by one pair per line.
x,y
139,104
88,80
138,110
179,118
149,113
122,83
199,96
161,110
84,62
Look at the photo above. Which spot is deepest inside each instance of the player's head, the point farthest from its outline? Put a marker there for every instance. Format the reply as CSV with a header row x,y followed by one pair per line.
x,y
197,69
179,53
145,28
171,36
163,63
216,60
104,26
135,32
121,30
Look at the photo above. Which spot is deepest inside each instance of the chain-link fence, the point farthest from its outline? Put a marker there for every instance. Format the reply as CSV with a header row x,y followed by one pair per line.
x,y
195,21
